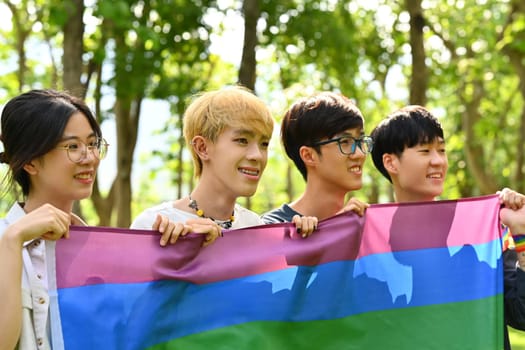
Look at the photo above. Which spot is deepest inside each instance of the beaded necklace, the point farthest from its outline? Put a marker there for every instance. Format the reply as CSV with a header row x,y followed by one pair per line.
x,y
225,224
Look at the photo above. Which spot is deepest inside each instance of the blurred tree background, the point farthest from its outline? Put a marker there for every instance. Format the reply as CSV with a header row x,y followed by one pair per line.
x,y
463,59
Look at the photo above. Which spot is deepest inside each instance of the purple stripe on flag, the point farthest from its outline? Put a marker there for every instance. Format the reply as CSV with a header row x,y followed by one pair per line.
x,y
237,254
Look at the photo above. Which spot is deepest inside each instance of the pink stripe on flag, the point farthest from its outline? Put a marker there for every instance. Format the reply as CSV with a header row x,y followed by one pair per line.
x,y
409,224
90,255
91,252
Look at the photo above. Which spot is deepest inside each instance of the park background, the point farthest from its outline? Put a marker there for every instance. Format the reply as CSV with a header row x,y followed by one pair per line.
x,y
136,63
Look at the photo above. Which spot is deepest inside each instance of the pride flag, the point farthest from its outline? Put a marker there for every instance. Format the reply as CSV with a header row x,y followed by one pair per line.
x,y
408,276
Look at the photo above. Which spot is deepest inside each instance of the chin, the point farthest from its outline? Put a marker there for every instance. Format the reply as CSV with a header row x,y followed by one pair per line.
x,y
83,195
247,192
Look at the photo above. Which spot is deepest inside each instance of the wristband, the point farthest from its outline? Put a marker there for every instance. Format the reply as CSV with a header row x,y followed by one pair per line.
x,y
519,242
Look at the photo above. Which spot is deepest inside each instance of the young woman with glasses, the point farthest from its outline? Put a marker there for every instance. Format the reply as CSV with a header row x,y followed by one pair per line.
x,y
52,146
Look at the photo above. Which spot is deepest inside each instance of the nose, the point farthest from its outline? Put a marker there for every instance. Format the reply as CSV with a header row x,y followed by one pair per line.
x,y
256,152
438,158
88,155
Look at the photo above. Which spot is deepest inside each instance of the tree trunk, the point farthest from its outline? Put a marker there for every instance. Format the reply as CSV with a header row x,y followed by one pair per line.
x,y
127,113
419,77
72,58
73,48
180,153
21,33
247,71
474,152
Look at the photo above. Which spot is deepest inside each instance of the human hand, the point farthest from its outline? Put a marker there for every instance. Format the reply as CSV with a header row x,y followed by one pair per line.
x,y
205,226
47,222
356,206
170,231
515,221
305,225
511,199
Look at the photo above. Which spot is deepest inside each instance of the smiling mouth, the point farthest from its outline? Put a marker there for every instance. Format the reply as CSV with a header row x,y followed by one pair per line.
x,y
355,169
84,176
249,172
435,176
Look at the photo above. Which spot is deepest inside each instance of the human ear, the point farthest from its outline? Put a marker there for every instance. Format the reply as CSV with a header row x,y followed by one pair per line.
x,y
390,163
308,155
200,147
30,168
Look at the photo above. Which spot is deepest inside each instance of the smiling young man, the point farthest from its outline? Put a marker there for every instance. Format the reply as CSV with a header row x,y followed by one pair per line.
x,y
227,132
409,150
324,136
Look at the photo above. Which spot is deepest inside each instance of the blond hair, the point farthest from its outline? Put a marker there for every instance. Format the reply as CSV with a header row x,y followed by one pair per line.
x,y
211,112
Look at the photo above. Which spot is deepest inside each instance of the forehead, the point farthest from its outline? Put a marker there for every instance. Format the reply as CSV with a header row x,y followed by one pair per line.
x,y
355,132
78,126
246,132
437,141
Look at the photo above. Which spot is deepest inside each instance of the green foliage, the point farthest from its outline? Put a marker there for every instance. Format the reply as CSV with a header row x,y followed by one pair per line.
x,y
160,49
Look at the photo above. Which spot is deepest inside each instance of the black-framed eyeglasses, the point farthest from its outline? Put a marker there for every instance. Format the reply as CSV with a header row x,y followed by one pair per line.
x,y
347,144
77,150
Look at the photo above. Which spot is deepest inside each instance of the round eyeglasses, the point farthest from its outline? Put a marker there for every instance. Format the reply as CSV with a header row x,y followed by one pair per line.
x,y
347,144
77,150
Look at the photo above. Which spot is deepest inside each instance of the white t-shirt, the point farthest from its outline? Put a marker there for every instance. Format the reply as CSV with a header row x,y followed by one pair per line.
x,y
145,220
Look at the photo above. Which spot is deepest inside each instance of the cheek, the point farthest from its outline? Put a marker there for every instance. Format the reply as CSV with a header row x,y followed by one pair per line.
x,y
264,160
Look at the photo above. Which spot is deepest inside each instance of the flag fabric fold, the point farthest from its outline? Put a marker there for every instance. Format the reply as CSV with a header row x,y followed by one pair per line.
x,y
407,276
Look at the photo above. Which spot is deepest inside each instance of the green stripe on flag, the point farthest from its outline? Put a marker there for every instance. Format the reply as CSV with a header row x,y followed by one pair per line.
x,y
476,325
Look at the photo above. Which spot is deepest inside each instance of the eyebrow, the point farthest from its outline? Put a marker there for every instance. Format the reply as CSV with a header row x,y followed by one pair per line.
x,y
347,134
243,132
251,133
73,137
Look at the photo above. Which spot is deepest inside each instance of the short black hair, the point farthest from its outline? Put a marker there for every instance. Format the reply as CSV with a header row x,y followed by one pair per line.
x,y
314,118
407,127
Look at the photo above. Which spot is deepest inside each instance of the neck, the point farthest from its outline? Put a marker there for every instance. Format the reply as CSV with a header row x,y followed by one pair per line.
x,y
402,197
33,203
322,207
213,206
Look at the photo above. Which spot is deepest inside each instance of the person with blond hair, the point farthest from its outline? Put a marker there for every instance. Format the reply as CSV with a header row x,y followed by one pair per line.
x,y
228,133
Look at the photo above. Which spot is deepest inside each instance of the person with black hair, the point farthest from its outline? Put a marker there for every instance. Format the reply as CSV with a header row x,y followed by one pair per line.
x,y
53,146
324,136
409,150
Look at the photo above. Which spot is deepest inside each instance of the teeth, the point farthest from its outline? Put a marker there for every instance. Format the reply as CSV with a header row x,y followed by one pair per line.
x,y
435,176
355,168
250,172
83,176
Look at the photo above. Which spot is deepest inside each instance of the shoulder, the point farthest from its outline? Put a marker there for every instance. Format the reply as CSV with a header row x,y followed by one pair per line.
x,y
146,218
282,214
15,213
245,218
